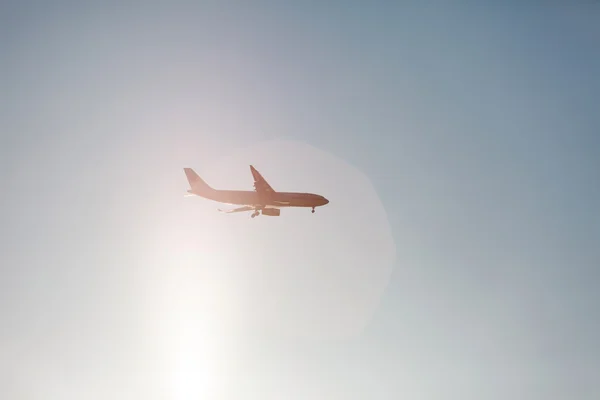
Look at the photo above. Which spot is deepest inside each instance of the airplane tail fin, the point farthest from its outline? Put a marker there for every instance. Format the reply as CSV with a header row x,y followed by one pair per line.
x,y
196,183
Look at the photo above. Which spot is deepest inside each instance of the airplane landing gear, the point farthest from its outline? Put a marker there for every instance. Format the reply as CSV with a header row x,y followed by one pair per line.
x,y
254,214
313,210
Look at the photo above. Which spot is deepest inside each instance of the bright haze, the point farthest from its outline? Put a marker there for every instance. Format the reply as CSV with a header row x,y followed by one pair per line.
x,y
459,147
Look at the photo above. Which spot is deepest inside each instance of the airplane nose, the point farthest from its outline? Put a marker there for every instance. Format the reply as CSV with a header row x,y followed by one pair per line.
x,y
325,201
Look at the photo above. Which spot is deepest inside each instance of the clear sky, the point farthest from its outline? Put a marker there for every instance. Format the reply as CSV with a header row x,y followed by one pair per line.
x,y
459,146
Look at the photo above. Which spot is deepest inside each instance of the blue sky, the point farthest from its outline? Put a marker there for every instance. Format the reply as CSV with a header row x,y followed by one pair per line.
x,y
477,127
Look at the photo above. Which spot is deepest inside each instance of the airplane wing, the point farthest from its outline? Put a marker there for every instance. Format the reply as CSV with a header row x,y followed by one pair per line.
x,y
241,209
260,184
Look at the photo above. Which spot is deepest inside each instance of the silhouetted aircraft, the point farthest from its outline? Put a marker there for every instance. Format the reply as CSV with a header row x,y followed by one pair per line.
x,y
263,199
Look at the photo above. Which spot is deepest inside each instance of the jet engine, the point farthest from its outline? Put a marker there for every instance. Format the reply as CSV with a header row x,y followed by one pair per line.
x,y
272,212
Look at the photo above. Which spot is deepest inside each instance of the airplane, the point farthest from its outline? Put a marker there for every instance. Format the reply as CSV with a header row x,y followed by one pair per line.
x,y
263,200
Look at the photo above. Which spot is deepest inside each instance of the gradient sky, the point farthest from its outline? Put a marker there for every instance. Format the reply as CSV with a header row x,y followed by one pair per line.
x,y
477,126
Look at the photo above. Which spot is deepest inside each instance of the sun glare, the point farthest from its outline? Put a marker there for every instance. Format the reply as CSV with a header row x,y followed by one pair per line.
x,y
215,282
191,304
195,353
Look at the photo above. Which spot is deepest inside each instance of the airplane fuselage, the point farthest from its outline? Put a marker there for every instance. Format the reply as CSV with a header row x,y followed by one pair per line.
x,y
272,199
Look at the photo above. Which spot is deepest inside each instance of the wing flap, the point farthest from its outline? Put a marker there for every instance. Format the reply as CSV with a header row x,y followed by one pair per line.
x,y
241,209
